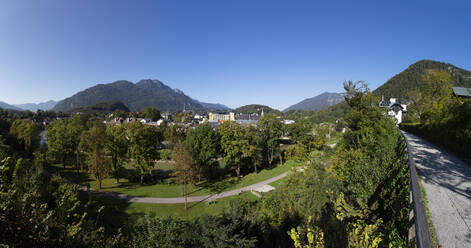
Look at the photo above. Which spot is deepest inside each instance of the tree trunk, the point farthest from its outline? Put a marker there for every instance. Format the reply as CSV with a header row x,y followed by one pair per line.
x,y
238,171
115,165
142,177
184,188
281,159
255,167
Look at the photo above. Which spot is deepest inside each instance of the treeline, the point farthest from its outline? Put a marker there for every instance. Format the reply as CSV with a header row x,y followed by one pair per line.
x,y
328,114
439,116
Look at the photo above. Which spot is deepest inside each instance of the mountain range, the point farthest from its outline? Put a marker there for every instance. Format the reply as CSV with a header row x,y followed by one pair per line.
x,y
318,102
136,96
5,105
145,93
35,106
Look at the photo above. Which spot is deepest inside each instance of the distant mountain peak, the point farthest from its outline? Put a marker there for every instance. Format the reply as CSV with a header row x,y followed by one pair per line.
x,y
145,93
409,79
178,91
318,102
35,106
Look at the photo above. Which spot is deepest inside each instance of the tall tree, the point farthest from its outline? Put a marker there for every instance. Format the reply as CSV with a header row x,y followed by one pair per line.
x,y
144,141
151,113
98,163
184,169
253,154
234,145
117,146
175,133
203,145
271,129
27,134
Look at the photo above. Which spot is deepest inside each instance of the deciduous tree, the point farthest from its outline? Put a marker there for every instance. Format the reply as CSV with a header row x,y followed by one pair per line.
x,y
98,163
117,147
203,145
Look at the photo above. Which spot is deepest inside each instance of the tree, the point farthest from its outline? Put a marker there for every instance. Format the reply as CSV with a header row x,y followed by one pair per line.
x,y
27,134
117,146
99,164
434,96
271,130
143,143
253,155
175,133
63,139
184,169
203,145
151,113
234,144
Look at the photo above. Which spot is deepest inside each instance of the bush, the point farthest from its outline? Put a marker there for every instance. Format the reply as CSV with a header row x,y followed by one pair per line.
x,y
166,154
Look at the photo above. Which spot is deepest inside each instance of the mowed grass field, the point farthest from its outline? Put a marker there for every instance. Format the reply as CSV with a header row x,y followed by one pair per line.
x,y
194,209
169,189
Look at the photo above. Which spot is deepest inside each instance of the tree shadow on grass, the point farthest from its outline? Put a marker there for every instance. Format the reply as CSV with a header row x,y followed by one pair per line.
x,y
71,174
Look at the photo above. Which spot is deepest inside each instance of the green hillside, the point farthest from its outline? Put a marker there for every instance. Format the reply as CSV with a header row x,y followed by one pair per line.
x,y
137,96
256,108
103,107
410,78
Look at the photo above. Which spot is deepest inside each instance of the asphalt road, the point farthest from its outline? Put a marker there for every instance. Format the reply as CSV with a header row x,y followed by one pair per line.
x,y
447,183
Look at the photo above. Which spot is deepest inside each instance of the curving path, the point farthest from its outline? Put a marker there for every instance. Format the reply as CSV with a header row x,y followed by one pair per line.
x,y
176,200
447,182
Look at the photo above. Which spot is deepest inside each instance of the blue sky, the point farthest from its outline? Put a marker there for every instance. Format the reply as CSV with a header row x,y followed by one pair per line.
x,y
231,52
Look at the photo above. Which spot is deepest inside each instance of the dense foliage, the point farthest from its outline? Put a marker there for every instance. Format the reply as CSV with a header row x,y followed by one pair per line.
x,y
439,116
102,108
256,108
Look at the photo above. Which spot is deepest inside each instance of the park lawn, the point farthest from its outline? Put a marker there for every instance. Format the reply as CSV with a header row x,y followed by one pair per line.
x,y
171,190
195,209
278,183
204,188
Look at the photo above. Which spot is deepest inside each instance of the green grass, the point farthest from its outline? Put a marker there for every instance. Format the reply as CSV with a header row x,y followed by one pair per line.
x,y
278,182
433,234
195,209
171,190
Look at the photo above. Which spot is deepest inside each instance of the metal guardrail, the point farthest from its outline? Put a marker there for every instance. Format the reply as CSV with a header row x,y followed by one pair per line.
x,y
422,232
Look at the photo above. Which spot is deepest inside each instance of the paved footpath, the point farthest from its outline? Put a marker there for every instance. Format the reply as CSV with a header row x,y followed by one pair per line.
x,y
192,198
447,182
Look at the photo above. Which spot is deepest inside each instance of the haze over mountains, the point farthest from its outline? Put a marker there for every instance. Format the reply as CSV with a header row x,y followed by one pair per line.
x,y
35,106
5,105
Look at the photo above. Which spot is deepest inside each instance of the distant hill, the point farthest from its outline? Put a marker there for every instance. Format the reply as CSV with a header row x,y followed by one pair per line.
x,y
137,96
255,108
410,78
34,107
103,107
318,102
5,105
214,106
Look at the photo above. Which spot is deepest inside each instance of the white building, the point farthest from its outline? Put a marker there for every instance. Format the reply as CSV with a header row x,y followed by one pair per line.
x,y
394,109
214,117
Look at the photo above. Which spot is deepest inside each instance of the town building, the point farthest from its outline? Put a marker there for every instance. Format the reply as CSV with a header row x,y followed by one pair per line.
x,y
394,109
462,92
215,117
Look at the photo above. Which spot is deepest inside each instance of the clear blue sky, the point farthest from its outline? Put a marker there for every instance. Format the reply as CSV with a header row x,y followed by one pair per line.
x,y
232,52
